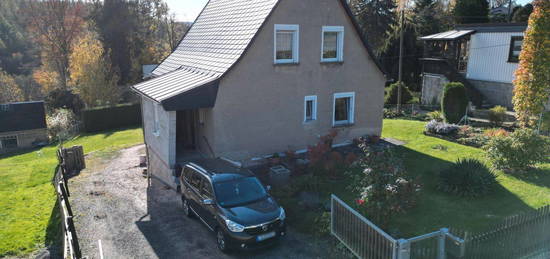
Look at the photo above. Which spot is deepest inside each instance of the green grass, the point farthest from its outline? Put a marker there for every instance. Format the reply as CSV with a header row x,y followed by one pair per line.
x,y
28,217
424,157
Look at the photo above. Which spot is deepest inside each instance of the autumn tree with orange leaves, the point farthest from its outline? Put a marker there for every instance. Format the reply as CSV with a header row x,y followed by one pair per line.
x,y
532,83
55,24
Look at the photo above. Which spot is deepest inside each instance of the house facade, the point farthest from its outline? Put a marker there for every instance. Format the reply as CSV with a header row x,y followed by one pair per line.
x,y
254,78
484,56
22,125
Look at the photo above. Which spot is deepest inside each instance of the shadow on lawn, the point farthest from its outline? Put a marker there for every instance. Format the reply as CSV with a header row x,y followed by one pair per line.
x,y
54,233
536,176
436,209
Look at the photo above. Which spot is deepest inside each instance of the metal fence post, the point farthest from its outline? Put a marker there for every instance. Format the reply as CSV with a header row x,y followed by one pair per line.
x,y
403,249
441,243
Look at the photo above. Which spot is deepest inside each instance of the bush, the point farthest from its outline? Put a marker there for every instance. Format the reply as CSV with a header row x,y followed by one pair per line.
x,y
497,115
391,95
62,124
496,133
392,113
384,187
64,99
467,177
441,128
519,151
435,115
454,102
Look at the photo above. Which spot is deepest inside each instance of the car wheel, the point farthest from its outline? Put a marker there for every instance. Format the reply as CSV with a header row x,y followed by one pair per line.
x,y
222,241
186,210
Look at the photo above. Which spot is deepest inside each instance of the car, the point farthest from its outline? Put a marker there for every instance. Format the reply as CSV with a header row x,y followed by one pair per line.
x,y
232,202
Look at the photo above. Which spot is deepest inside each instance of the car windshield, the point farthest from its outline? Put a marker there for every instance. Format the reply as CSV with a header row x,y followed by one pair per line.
x,y
239,191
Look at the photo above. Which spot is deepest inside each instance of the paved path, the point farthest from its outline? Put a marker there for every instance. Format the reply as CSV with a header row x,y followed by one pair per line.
x,y
113,203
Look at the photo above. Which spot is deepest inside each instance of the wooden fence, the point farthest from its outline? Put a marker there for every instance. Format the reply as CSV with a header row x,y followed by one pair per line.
x,y
71,247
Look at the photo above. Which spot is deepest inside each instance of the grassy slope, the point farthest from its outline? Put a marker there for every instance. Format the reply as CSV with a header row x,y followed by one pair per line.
x,y
27,199
436,209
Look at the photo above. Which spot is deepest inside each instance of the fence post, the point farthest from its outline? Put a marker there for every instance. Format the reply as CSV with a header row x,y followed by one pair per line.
x,y
403,249
441,243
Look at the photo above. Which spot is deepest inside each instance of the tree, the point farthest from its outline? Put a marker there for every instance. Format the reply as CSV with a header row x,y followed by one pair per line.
x,y
471,11
9,91
522,13
375,18
91,74
55,25
532,83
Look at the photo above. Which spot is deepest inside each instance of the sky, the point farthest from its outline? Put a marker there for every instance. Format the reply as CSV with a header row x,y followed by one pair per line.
x,y
188,10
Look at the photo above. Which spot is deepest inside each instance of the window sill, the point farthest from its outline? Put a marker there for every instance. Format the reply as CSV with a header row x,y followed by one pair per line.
x,y
286,64
156,134
326,62
309,121
343,125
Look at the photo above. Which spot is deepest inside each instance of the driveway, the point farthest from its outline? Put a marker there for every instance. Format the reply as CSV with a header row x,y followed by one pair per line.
x,y
114,203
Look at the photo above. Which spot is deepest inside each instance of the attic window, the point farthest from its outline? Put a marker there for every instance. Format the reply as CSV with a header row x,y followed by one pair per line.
x,y
515,49
286,44
332,49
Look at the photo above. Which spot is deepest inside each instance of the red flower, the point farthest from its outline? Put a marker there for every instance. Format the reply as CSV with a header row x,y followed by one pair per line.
x,y
360,201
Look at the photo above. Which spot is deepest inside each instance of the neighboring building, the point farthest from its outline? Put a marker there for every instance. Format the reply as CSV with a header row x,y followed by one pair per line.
x,y
147,71
256,77
483,56
22,125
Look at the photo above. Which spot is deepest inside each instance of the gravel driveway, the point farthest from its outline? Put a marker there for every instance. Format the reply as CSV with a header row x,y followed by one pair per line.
x,y
113,203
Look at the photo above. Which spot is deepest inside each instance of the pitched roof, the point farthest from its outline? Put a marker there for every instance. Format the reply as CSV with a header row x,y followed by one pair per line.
x,y
214,43
448,35
22,116
494,27
219,36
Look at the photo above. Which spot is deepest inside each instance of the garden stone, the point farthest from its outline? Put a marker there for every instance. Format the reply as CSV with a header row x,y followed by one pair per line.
x,y
279,175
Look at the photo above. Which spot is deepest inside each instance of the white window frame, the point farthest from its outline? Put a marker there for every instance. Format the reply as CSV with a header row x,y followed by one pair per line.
x,y
312,98
156,121
340,43
351,111
295,44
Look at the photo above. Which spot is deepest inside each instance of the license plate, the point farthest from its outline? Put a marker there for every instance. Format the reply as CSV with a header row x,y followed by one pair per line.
x,y
265,236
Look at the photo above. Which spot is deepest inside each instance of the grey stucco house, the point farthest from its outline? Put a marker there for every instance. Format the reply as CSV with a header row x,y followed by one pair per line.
x,y
22,125
251,78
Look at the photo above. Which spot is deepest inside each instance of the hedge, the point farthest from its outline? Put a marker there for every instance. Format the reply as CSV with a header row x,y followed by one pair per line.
x,y
108,118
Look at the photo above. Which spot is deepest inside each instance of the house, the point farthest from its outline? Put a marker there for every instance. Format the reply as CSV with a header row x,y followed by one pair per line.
x,y
482,56
256,77
22,125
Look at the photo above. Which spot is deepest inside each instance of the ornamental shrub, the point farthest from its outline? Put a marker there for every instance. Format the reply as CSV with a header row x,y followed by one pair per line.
x,y
441,128
497,115
62,125
519,151
435,115
454,102
391,95
467,178
384,186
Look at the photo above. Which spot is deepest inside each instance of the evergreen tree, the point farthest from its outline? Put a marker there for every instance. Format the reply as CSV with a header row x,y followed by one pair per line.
x,y
376,17
471,11
532,83
522,13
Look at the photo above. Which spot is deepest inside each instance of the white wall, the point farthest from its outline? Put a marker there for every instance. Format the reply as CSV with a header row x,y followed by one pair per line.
x,y
488,58
162,145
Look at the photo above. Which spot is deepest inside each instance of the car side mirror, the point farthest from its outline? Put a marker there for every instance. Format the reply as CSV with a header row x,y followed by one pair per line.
x,y
268,188
208,202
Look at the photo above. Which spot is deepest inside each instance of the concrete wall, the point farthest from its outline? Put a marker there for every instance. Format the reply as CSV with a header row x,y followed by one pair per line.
x,y
161,146
496,93
260,106
25,139
488,59
432,88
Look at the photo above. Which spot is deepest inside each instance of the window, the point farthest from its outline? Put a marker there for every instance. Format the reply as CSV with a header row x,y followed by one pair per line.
x,y
156,124
8,142
343,108
5,107
195,179
286,43
310,108
332,48
206,189
515,48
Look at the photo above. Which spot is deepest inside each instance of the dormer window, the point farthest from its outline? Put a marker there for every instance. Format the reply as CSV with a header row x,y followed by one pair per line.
x,y
332,49
286,43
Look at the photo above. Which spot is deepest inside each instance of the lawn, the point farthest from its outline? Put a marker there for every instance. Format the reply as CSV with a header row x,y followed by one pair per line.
x,y
436,209
28,220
